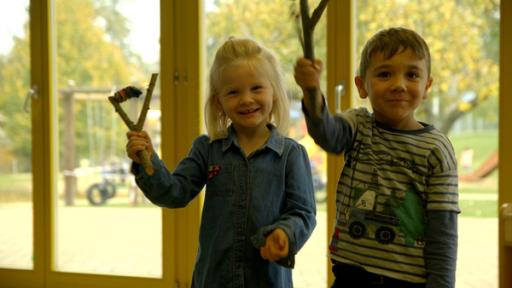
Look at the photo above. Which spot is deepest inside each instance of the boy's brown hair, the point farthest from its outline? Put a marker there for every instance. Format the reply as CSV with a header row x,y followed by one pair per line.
x,y
392,41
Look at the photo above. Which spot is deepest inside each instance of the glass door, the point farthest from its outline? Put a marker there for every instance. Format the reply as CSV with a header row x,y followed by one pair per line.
x,y
463,37
102,222
16,189
82,222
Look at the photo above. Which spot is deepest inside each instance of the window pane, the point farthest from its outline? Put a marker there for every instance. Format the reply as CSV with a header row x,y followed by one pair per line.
x,y
16,234
463,37
103,223
269,22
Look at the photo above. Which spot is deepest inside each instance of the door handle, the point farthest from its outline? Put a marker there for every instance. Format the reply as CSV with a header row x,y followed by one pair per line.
x,y
32,93
506,221
339,92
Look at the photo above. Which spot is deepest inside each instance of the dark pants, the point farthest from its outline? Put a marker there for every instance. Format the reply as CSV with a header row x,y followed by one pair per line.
x,y
349,276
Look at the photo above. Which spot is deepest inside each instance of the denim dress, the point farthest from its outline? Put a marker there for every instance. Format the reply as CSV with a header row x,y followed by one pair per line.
x,y
246,198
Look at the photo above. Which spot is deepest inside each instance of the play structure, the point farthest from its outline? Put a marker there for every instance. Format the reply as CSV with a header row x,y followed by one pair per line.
x,y
487,167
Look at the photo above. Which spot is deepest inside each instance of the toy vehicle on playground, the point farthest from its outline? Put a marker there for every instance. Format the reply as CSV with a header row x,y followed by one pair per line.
x,y
100,192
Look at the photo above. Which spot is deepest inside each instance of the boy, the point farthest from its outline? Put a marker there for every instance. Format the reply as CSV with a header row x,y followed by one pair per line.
x,y
397,196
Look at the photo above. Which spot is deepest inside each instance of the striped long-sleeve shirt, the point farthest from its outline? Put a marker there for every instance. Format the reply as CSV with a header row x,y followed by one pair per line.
x,y
396,200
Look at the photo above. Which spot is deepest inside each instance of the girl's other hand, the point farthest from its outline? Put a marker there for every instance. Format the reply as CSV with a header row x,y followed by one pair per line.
x,y
138,141
276,246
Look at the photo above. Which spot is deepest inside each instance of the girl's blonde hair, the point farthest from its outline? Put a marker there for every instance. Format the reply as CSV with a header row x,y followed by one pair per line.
x,y
236,51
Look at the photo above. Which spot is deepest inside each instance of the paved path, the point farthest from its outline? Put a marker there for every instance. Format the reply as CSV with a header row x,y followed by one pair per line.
x,y
111,241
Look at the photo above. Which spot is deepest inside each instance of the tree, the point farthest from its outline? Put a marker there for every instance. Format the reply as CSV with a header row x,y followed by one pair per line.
x,y
462,35
14,67
270,22
92,52
89,53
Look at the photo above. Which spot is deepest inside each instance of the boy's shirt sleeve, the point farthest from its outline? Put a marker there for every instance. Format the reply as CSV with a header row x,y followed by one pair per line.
x,y
299,216
333,133
441,219
441,248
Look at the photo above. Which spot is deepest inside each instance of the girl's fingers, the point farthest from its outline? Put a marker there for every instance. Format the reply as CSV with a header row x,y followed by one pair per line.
x,y
267,251
264,253
134,145
138,134
275,247
138,141
267,254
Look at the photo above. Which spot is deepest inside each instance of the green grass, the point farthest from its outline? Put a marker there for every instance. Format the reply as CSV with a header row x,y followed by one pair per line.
x,y
16,187
489,187
484,144
479,208
15,181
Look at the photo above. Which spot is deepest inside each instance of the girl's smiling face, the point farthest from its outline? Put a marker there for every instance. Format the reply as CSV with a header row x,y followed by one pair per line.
x,y
395,88
246,97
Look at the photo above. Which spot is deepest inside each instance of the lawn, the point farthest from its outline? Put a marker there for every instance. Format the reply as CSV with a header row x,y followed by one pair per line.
x,y
16,187
479,208
484,144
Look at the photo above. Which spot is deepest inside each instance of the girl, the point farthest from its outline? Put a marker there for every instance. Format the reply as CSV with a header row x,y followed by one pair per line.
x,y
259,207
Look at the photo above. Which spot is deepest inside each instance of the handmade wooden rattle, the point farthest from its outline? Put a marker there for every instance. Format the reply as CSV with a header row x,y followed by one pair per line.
x,y
132,92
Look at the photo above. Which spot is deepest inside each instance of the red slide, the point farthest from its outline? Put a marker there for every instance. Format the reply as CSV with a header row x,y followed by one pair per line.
x,y
484,170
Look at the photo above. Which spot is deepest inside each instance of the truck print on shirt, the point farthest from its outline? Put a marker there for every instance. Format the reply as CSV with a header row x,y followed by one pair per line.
x,y
386,218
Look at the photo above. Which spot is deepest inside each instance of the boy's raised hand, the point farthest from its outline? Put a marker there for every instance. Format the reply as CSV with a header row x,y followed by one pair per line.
x,y
138,141
276,246
307,75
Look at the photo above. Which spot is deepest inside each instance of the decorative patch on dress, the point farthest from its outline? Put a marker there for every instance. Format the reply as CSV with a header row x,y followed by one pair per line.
x,y
213,171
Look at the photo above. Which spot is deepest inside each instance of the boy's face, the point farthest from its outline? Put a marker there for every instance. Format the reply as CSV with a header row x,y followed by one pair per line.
x,y
395,87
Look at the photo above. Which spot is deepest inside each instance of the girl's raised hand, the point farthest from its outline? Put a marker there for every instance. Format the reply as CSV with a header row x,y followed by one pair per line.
x,y
276,246
138,141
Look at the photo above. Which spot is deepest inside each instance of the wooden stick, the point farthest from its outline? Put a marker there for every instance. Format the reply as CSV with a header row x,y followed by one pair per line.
x,y
307,31
121,113
308,26
317,13
147,100
143,154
